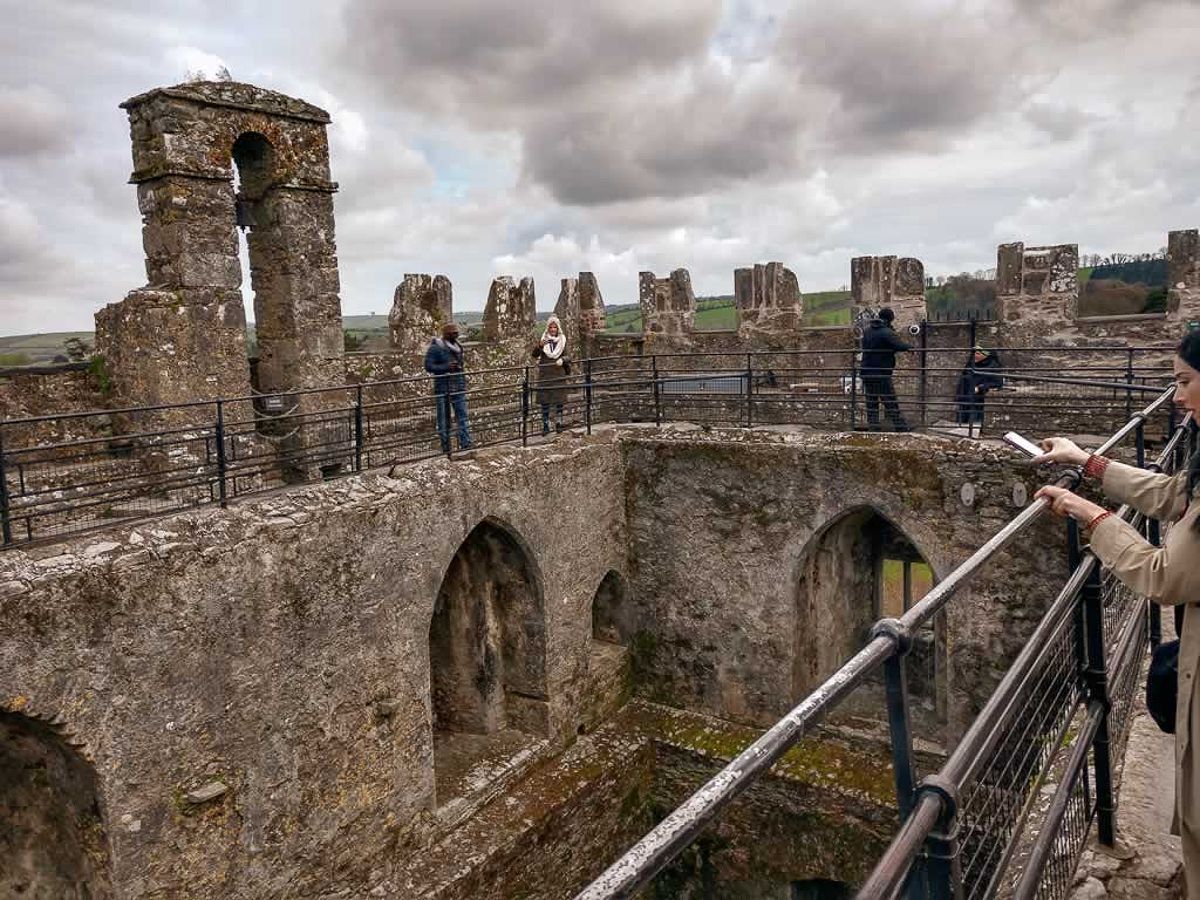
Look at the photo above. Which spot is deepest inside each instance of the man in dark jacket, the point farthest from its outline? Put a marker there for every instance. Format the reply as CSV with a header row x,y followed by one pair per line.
x,y
981,375
880,344
444,361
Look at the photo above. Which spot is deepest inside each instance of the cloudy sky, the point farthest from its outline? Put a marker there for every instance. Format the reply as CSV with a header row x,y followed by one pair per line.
x,y
543,137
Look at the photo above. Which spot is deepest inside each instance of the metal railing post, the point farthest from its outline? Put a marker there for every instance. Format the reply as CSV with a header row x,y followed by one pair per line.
x,y
587,394
749,391
358,429
1129,381
943,868
222,461
525,407
924,376
854,391
1096,681
5,521
899,718
657,390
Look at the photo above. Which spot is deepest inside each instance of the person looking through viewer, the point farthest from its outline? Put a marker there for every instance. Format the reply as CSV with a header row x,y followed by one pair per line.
x,y
880,344
444,361
551,384
1168,575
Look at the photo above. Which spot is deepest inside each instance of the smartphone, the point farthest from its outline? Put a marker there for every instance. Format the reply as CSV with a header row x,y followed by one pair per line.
x,y
1023,444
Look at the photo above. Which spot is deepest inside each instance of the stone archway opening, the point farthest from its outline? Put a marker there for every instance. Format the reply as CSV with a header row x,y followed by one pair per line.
x,y
487,658
52,838
253,162
858,569
612,621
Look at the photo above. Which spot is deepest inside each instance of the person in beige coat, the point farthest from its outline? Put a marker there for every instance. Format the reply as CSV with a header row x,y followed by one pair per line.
x,y
1168,575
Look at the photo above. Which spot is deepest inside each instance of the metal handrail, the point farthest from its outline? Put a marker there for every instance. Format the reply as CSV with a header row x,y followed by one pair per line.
x,y
638,865
982,735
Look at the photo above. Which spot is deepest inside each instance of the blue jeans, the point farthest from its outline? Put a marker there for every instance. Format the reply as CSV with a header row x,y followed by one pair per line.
x,y
457,399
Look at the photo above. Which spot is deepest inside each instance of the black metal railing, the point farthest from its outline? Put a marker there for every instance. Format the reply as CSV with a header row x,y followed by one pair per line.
x,y
63,474
963,829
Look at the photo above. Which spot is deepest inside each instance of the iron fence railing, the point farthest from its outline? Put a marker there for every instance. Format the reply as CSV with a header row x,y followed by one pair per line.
x,y
62,474
1060,715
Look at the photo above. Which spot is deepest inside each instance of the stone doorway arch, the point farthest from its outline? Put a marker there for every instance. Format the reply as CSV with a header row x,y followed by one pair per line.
x,y
52,835
487,657
858,568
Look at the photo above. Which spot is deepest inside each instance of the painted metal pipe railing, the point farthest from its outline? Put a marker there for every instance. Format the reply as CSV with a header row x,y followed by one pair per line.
x,y
923,808
69,473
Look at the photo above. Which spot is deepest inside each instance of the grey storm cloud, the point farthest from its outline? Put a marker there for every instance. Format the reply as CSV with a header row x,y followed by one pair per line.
x,y
898,81
35,122
494,59
614,102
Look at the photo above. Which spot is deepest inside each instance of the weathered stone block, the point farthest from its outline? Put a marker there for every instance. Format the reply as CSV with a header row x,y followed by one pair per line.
x,y
421,305
668,304
767,298
511,310
897,283
1038,286
1183,275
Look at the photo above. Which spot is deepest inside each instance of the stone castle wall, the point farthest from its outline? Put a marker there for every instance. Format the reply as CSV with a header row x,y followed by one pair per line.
x,y
281,647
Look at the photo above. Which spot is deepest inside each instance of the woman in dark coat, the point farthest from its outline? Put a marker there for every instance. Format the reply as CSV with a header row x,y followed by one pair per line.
x,y
979,377
551,380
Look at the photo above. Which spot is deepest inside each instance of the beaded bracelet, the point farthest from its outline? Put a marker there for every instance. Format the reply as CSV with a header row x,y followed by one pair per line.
x,y
1095,466
1091,526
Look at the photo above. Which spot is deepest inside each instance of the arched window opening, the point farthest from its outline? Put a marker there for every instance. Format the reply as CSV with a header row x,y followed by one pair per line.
x,y
821,889
611,614
52,837
487,657
253,168
859,569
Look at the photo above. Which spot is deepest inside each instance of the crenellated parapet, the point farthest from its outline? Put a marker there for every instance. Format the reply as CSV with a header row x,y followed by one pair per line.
x,y
894,282
1183,275
421,306
1038,284
768,300
580,308
511,310
668,304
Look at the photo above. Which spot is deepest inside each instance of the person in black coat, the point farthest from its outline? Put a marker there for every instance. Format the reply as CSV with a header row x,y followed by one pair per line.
x,y
981,375
880,344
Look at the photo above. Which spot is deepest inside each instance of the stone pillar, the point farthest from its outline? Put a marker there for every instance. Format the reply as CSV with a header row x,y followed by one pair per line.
x,y
421,305
1038,286
567,310
178,339
511,310
591,305
580,308
768,299
668,304
895,282
1183,275
187,141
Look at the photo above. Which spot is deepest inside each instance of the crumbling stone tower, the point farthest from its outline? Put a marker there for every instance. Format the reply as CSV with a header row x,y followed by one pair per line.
x,y
767,298
182,337
895,282
422,305
1038,286
668,304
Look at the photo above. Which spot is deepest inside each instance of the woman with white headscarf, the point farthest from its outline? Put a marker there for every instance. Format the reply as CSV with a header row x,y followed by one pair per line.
x,y
551,382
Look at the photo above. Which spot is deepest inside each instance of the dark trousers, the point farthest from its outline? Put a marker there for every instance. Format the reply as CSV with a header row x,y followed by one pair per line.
x,y
458,401
882,389
558,411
